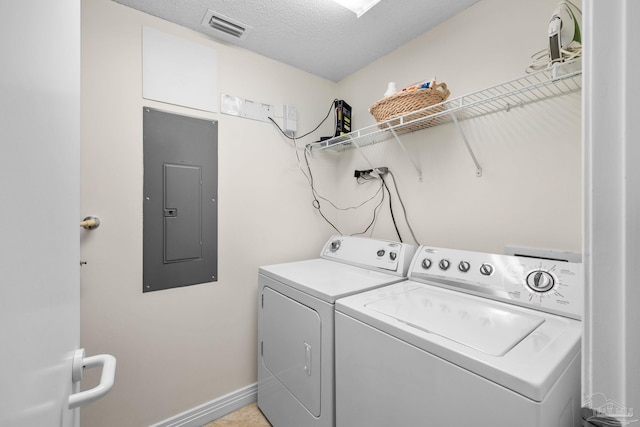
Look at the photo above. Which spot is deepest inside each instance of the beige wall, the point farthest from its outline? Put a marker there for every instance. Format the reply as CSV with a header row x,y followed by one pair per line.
x,y
180,348
177,349
530,191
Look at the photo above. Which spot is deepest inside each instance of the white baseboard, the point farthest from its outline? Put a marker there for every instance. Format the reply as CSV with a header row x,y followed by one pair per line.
x,y
218,408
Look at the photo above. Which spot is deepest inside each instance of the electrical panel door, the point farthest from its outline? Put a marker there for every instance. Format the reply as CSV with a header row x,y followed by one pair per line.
x,y
182,212
179,200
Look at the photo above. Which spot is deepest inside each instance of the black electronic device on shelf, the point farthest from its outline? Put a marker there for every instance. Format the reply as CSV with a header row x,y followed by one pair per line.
x,y
343,117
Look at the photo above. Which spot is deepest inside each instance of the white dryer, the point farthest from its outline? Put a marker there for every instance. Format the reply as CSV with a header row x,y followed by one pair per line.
x,y
472,339
296,324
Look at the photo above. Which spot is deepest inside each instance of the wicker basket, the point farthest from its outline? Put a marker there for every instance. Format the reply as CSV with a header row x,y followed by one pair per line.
x,y
403,103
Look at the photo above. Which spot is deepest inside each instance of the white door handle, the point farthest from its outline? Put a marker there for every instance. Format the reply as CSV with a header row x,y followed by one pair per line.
x,y
108,364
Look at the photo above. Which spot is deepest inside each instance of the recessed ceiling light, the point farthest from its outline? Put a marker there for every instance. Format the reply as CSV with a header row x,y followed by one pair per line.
x,y
359,7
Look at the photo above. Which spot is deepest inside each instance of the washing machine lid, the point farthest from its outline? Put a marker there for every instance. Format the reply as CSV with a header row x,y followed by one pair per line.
x,y
327,280
490,329
535,360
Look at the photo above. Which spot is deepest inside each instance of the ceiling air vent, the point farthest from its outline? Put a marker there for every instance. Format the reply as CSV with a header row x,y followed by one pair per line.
x,y
225,25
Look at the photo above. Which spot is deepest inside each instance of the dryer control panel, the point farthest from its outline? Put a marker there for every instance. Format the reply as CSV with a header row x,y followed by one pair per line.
x,y
382,255
548,285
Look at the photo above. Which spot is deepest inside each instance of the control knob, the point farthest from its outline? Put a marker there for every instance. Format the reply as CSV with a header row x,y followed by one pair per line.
x,y
380,252
464,266
486,269
540,281
444,264
426,263
393,256
335,245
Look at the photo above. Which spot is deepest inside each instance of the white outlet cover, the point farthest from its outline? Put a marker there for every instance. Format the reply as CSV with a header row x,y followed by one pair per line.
x,y
247,109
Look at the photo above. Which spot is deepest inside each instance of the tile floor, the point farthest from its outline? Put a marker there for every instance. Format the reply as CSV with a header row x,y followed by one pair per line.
x,y
249,416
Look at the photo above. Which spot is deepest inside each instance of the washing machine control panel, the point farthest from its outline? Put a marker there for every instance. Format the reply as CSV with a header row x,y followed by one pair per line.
x,y
553,286
381,255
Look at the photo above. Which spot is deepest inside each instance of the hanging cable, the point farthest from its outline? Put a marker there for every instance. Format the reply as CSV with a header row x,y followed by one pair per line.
x,y
395,184
375,211
311,131
316,197
393,218
316,202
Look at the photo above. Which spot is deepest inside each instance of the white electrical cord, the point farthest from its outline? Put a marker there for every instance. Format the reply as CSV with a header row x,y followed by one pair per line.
x,y
542,59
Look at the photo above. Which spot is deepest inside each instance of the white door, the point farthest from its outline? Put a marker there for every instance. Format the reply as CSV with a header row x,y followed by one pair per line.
x,y
39,210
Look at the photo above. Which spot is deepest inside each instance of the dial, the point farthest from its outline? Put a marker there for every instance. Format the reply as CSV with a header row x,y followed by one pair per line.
x,y
540,281
444,264
464,266
426,263
380,252
335,245
393,255
486,269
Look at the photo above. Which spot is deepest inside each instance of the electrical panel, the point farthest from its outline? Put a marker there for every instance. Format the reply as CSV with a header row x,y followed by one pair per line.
x,y
179,200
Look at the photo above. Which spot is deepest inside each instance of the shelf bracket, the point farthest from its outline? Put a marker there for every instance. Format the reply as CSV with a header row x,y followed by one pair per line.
x,y
466,142
366,159
397,138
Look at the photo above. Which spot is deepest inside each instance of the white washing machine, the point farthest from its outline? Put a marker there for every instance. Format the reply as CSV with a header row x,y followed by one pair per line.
x,y
296,324
471,339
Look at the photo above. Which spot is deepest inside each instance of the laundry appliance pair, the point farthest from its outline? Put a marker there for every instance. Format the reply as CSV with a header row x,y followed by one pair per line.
x,y
470,339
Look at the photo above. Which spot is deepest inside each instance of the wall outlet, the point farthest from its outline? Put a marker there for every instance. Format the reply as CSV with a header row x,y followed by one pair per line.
x,y
290,119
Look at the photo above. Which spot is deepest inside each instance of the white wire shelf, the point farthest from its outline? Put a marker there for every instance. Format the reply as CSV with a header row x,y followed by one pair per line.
x,y
561,79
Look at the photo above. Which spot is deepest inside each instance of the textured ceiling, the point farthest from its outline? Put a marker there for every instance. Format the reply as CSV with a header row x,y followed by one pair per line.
x,y
317,36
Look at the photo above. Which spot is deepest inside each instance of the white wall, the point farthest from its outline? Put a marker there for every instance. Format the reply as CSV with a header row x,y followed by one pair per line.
x,y
530,191
180,348
177,349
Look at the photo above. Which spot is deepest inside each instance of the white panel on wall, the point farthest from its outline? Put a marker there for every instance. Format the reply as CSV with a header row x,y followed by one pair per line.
x,y
245,108
178,72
